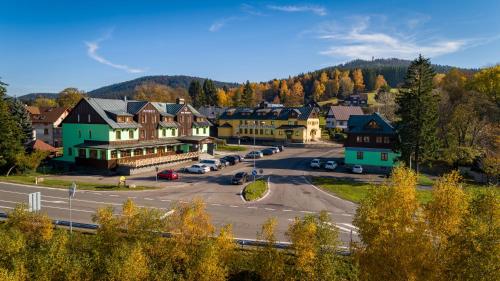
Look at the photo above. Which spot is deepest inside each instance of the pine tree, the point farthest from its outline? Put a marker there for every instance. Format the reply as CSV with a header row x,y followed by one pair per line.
x,y
210,92
418,112
11,140
196,94
247,94
22,117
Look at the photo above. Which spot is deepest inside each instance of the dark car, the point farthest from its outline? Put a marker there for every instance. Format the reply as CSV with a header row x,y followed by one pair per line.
x,y
168,175
240,178
267,151
238,157
281,148
229,160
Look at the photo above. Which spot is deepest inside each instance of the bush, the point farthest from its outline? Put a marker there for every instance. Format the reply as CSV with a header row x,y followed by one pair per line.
x,y
255,190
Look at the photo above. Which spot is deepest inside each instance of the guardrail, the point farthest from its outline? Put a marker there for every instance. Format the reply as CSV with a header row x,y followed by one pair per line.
x,y
239,241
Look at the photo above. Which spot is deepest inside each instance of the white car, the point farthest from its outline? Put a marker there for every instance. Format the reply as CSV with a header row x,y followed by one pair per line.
x,y
198,169
357,169
315,163
254,154
330,165
213,164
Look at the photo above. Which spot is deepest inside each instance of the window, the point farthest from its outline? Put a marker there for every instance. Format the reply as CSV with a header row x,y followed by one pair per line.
x,y
142,134
88,118
246,131
143,119
173,132
359,139
70,151
114,154
90,134
296,133
378,139
204,130
103,155
261,131
359,155
78,117
280,132
153,134
138,151
124,153
82,153
197,131
251,131
164,132
387,140
290,122
118,135
93,154
366,139
45,131
272,122
79,134
130,134
383,156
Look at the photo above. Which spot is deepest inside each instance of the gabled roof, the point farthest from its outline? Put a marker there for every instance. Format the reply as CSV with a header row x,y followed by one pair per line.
x,y
360,124
42,146
283,113
166,124
104,107
226,125
46,114
202,124
344,112
135,106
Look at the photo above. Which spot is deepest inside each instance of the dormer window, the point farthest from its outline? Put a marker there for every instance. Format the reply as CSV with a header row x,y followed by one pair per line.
x,y
88,118
373,125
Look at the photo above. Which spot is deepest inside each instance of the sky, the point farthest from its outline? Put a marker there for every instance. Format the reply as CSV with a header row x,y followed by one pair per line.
x,y
46,46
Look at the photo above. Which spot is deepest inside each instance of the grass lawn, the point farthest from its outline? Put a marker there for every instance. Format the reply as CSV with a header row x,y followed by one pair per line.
x,y
50,182
255,190
231,148
424,180
355,191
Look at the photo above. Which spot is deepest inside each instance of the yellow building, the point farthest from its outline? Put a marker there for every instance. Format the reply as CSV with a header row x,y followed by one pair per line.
x,y
271,123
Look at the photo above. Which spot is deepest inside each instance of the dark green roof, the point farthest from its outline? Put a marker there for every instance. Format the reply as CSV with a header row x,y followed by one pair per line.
x,y
359,124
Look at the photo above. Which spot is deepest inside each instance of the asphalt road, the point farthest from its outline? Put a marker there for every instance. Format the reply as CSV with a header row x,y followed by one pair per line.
x,y
290,196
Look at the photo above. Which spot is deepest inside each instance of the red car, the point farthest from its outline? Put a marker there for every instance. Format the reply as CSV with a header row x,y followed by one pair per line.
x,y
168,175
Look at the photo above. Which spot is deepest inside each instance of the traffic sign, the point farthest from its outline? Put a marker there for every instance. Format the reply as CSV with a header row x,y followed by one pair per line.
x,y
72,190
254,172
34,201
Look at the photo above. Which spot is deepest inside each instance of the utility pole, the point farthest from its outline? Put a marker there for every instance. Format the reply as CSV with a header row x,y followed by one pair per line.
x,y
254,128
72,191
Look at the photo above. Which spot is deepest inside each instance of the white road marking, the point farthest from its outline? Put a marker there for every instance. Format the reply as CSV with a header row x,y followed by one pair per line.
x,y
252,207
165,200
114,195
215,204
270,209
308,212
233,206
287,210
346,215
149,199
131,197
56,202
72,209
5,207
348,225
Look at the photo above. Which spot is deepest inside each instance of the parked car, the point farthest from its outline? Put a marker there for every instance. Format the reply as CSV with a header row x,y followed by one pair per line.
x,y
198,169
275,149
254,154
281,148
213,164
316,163
168,175
267,151
331,165
357,169
238,157
229,160
240,178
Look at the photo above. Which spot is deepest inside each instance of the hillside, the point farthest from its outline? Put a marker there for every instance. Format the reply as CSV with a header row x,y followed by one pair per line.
x,y
34,96
126,88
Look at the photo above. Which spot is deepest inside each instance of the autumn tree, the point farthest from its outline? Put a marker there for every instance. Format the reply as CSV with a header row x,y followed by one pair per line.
x,y
357,78
223,98
488,81
386,105
269,262
248,95
155,92
418,112
45,102
318,90
346,86
69,97
284,92
380,82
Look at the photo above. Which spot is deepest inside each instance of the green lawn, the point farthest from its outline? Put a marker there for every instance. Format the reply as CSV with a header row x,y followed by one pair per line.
x,y
231,148
50,182
356,191
255,190
424,180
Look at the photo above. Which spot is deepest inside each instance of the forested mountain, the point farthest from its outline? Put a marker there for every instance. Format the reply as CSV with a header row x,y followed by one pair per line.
x,y
127,88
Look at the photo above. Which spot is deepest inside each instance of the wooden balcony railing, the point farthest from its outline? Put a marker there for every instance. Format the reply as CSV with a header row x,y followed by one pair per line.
x,y
142,162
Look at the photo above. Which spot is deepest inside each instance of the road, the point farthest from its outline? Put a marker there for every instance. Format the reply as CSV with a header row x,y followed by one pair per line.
x,y
290,196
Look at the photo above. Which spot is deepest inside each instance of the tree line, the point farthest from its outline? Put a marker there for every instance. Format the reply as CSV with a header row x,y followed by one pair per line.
x,y
453,237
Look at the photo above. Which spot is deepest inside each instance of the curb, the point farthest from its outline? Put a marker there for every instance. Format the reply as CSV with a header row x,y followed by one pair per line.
x,y
261,198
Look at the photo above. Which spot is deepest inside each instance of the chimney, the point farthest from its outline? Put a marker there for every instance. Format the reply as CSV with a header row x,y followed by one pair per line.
x,y
180,101
125,98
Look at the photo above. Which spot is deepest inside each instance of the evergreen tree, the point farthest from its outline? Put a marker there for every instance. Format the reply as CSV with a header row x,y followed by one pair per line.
x,y
11,140
196,94
418,112
210,92
247,95
22,117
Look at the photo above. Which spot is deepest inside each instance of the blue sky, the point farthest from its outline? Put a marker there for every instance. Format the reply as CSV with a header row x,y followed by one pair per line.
x,y
46,46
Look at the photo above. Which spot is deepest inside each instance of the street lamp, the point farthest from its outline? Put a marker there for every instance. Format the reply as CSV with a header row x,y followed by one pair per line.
x,y
254,157
72,191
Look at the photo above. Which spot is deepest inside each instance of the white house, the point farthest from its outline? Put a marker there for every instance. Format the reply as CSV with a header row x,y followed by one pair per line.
x,y
338,115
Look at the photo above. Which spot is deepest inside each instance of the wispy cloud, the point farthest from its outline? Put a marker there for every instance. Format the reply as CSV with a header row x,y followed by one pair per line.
x,y
220,23
358,42
93,46
246,11
318,10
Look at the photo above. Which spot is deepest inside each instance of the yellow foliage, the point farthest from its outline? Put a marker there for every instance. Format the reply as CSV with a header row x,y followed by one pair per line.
x,y
35,226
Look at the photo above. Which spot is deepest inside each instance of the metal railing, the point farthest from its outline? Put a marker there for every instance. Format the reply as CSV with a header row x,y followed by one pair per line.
x,y
136,163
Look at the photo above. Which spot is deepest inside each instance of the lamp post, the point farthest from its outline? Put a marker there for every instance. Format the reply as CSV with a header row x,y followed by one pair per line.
x,y
72,191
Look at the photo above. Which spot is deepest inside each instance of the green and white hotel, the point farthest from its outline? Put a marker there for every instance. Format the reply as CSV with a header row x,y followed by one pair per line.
x,y
371,142
132,135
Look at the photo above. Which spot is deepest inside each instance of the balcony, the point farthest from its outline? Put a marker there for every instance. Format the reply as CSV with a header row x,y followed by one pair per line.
x,y
152,160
